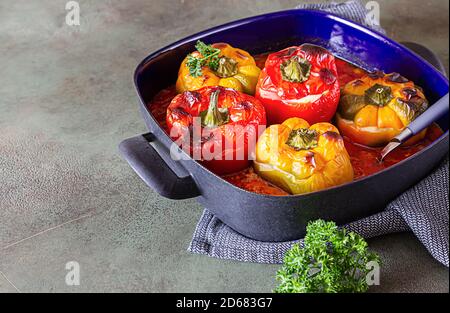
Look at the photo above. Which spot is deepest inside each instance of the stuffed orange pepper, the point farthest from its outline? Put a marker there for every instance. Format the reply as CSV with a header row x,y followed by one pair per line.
x,y
218,64
300,158
377,107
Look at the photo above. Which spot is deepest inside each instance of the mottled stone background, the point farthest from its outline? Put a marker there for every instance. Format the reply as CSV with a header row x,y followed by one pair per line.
x,y
67,100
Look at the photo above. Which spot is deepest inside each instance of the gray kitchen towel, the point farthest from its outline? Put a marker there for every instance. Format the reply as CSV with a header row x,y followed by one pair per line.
x,y
423,209
352,10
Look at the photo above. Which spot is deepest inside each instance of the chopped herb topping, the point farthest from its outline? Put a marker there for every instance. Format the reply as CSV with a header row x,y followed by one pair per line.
x,y
209,57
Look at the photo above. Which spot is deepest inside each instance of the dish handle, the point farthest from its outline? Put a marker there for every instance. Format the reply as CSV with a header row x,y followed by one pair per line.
x,y
141,152
426,54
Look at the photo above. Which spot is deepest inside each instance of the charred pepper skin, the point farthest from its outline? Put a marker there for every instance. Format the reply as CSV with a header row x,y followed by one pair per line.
x,y
237,70
299,82
377,107
314,161
228,125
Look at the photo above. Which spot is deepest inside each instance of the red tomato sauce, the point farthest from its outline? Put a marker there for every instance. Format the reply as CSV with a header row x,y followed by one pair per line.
x,y
364,159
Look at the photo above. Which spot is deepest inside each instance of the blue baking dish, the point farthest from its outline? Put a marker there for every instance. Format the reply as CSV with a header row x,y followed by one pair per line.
x,y
275,218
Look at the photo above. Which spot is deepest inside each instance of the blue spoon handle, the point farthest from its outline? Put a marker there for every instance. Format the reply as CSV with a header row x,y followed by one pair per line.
x,y
432,114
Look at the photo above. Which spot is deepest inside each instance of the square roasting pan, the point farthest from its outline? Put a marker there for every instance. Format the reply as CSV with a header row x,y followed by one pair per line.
x,y
281,218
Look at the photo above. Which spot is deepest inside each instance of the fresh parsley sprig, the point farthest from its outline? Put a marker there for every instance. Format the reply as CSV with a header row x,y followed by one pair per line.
x,y
210,58
331,260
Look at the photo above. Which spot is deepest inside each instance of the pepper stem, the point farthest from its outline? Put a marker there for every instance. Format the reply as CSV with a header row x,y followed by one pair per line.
x,y
296,70
302,139
379,95
214,116
227,67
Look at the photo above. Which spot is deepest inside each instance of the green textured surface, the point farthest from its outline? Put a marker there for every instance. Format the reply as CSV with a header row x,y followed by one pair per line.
x,y
67,100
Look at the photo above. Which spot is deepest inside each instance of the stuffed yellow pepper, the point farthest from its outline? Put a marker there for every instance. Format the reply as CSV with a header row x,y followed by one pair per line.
x,y
300,158
218,64
377,107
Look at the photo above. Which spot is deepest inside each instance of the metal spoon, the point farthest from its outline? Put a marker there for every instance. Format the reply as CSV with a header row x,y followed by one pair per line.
x,y
432,114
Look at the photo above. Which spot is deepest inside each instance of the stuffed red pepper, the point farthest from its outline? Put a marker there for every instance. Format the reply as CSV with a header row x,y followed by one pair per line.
x,y
299,82
217,126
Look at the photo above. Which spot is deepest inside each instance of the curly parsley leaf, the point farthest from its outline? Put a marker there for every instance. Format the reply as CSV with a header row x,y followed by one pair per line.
x,y
214,63
209,57
195,65
331,260
204,49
